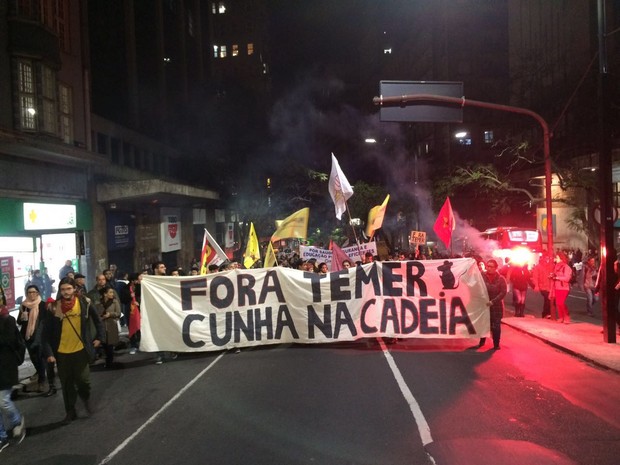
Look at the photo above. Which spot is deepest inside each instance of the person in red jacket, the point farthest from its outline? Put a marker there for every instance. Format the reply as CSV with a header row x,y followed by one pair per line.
x,y
561,276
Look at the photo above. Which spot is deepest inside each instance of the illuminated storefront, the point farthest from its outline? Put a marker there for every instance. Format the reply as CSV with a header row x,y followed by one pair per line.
x,y
40,236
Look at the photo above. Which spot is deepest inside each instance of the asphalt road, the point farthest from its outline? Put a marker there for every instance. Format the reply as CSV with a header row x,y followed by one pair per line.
x,y
415,402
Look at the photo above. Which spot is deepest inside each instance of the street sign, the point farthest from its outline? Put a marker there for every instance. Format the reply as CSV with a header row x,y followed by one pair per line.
x,y
420,112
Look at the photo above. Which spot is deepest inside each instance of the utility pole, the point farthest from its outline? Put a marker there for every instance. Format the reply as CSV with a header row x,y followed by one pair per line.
x,y
607,254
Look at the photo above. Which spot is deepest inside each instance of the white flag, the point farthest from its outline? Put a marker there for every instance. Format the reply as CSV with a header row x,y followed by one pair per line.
x,y
339,188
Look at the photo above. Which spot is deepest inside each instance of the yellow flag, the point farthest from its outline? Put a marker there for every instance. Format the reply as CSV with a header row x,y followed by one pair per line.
x,y
270,257
295,225
375,217
252,251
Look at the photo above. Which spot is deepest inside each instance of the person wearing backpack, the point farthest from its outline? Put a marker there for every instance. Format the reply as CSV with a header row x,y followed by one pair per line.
x,y
8,378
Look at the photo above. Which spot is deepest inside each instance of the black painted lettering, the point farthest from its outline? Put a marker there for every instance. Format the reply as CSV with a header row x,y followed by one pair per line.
x,y
187,323
190,288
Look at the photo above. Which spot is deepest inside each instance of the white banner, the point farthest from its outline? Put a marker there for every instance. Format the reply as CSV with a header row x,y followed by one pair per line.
x,y
243,308
325,255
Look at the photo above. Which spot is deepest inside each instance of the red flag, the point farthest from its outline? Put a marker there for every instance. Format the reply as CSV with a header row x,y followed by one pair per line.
x,y
338,256
445,223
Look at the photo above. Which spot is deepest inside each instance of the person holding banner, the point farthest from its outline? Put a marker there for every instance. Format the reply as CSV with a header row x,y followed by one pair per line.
x,y
497,289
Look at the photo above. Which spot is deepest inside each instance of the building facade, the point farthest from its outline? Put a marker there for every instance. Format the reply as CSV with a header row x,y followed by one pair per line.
x,y
81,182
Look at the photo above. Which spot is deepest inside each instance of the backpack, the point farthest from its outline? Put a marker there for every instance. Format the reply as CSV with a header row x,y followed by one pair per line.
x,y
20,347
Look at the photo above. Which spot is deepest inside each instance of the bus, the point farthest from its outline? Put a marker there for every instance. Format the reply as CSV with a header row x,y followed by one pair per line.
x,y
521,245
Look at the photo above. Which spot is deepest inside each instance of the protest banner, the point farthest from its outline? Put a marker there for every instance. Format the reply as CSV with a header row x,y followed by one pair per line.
x,y
244,308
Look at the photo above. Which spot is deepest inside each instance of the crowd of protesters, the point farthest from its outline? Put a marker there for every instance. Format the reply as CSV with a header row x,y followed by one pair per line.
x,y
98,316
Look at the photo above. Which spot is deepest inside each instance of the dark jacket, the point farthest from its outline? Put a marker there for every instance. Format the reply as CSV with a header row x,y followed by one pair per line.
x,y
497,288
91,327
8,360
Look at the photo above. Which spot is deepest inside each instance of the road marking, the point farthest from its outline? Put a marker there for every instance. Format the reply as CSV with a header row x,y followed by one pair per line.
x,y
159,412
423,428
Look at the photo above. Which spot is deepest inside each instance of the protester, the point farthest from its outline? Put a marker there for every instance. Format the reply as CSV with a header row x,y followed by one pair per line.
x,y
95,293
9,378
68,268
497,289
80,284
588,283
70,343
561,277
31,316
520,280
133,321
109,310
159,269
542,283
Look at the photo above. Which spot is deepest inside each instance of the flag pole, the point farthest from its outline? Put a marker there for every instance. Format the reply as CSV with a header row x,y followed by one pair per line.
x,y
359,249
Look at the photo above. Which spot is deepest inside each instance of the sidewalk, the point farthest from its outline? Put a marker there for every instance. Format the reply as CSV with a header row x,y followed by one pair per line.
x,y
582,338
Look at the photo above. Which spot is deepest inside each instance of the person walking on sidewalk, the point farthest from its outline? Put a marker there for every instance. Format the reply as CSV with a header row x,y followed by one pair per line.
x,y
520,279
69,342
9,378
497,289
588,283
561,276
542,283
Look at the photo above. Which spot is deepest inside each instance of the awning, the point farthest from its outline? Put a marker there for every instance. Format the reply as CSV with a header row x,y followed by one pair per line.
x,y
153,192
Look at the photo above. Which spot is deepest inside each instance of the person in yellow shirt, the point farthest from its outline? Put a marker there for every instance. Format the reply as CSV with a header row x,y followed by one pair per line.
x,y
70,342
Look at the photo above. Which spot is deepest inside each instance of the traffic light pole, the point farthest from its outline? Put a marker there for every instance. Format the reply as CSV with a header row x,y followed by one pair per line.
x,y
440,99
609,313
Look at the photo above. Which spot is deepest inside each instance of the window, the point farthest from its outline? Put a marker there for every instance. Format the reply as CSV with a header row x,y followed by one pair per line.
x,y
235,50
54,15
48,98
66,113
61,25
223,51
488,137
221,8
27,107
250,48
